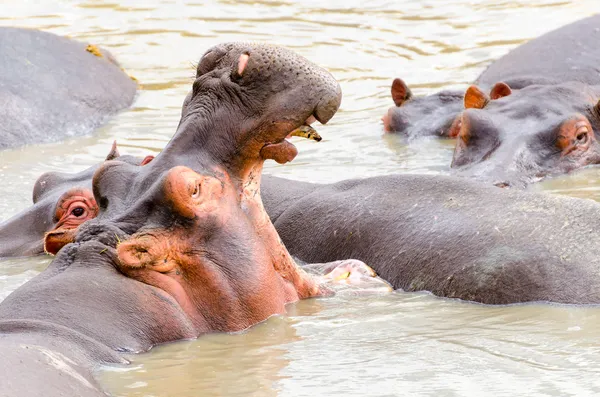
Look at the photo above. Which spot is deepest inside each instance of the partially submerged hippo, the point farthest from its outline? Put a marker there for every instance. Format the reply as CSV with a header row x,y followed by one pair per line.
x,y
181,246
451,236
60,200
537,131
513,129
52,87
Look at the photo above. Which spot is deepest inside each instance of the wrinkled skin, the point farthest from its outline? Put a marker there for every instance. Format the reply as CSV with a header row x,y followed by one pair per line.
x,y
537,131
515,109
569,53
451,236
60,201
53,88
180,246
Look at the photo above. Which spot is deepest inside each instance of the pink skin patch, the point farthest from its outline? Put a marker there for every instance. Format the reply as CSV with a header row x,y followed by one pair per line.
x,y
243,62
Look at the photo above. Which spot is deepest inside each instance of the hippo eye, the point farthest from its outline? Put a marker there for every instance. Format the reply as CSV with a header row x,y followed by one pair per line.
x,y
196,192
582,137
78,211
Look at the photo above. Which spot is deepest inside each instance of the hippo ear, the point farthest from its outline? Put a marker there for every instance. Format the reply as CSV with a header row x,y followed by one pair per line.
x,y
114,152
475,98
400,92
500,90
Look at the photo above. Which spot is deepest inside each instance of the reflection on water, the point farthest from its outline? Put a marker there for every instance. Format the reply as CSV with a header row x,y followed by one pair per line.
x,y
397,344
393,344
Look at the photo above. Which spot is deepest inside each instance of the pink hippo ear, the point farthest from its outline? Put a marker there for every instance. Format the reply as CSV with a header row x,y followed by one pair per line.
x,y
114,152
475,98
400,92
147,159
500,90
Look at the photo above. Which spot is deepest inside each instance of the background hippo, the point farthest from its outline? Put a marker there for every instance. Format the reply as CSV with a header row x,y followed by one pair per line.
x,y
453,237
60,200
510,133
188,249
53,87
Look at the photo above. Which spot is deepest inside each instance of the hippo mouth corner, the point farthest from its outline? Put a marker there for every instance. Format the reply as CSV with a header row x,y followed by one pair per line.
x,y
284,151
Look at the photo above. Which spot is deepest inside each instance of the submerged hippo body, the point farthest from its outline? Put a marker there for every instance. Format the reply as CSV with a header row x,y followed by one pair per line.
x,y
451,236
181,246
513,127
52,87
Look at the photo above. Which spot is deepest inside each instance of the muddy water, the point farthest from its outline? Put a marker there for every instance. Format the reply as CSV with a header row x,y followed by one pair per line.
x,y
395,344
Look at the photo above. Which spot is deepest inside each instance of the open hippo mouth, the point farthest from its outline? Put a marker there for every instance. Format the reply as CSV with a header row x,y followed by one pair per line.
x,y
284,151
245,103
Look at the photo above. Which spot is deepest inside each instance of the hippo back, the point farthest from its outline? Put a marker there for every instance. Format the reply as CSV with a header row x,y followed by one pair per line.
x,y
52,88
570,53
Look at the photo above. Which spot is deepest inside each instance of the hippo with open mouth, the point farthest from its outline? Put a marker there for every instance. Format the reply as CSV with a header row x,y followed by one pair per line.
x,y
181,246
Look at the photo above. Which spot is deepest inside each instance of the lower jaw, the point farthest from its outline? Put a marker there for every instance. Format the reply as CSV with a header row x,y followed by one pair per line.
x,y
282,152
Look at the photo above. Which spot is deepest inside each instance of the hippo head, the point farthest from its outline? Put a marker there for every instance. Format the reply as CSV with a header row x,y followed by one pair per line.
x,y
218,259
192,220
521,137
430,115
61,201
270,93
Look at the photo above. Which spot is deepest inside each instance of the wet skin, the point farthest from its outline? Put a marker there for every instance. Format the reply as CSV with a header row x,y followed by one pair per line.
x,y
451,236
180,246
60,200
510,122
52,87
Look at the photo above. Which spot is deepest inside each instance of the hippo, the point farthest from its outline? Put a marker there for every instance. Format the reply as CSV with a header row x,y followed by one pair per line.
x,y
60,200
180,246
511,123
539,131
53,87
451,236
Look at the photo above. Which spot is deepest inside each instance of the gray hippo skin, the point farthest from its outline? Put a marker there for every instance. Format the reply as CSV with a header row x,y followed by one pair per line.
x,y
569,53
52,88
451,236
181,246
540,117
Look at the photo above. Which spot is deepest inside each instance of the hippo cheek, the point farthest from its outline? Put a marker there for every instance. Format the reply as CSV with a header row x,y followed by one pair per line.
x,y
476,140
395,121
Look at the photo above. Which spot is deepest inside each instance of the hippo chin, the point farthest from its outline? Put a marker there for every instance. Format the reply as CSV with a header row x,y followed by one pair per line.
x,y
512,124
180,246
54,87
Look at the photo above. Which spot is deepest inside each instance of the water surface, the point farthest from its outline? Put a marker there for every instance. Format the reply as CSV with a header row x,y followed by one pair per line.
x,y
385,345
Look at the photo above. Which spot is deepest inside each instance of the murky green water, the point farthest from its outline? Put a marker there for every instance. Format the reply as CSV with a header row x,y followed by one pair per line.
x,y
394,344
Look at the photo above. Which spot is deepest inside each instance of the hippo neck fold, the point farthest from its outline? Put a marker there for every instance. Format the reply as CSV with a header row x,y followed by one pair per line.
x,y
251,203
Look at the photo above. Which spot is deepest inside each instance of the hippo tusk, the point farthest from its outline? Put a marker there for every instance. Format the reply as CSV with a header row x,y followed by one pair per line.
x,y
306,131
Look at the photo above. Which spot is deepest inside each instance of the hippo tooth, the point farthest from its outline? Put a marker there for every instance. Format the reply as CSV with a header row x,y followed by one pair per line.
x,y
306,131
